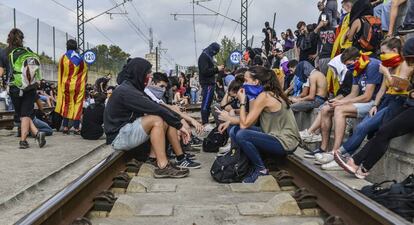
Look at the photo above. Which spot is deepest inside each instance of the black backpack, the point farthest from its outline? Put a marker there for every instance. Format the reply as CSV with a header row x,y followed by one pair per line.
x,y
398,197
215,140
231,167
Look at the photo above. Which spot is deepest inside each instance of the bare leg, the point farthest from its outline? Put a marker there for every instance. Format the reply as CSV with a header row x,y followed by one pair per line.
x,y
156,128
395,4
326,125
26,125
341,113
316,125
172,136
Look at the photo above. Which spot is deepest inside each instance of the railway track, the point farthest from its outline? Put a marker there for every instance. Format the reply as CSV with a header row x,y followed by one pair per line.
x,y
333,197
84,194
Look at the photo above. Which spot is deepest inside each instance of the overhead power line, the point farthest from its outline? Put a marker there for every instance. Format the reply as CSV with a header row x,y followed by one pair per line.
x,y
93,25
227,11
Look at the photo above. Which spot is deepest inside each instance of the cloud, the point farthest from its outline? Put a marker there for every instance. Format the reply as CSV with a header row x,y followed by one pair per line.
x,y
176,36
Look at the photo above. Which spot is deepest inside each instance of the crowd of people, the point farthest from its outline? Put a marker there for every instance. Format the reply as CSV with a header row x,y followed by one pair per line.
x,y
351,64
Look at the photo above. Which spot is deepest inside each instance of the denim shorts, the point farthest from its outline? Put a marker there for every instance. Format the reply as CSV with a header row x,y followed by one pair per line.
x,y
363,108
130,136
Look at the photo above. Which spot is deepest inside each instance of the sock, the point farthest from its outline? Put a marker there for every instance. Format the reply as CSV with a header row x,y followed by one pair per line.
x,y
180,157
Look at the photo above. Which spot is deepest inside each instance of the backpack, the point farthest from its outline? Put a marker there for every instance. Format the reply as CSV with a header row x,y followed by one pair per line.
x,y
25,66
214,140
398,197
231,167
371,33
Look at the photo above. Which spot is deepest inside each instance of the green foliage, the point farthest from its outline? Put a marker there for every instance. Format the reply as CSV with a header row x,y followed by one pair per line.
x,y
227,46
109,59
3,45
45,59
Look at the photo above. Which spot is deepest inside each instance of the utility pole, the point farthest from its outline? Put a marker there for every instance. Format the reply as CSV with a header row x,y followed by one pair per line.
x,y
81,25
80,12
157,59
243,24
195,36
151,40
274,20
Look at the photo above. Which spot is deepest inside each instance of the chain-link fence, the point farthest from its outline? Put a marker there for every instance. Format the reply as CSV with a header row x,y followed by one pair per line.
x,y
46,40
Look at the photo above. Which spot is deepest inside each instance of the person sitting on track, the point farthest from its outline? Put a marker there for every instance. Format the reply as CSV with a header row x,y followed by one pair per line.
x,y
278,132
92,119
360,163
366,83
156,91
316,81
131,118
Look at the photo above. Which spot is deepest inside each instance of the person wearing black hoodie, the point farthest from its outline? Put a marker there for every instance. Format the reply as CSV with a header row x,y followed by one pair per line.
x,y
132,118
208,73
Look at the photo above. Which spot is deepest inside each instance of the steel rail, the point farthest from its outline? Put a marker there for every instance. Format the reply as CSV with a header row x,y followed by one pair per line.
x,y
77,198
335,198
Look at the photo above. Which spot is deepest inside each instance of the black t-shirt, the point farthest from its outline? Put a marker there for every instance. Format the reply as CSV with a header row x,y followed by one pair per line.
x,y
308,46
326,42
92,122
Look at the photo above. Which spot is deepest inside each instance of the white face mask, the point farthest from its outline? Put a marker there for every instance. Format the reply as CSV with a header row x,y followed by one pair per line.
x,y
157,91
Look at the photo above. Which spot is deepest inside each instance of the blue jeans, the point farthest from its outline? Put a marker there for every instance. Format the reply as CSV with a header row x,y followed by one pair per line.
x,y
383,11
194,96
42,126
252,140
409,17
76,123
208,94
371,124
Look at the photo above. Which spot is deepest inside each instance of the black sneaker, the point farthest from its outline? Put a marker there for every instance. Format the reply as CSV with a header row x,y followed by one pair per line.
x,y
402,30
311,155
196,142
187,163
23,144
170,171
40,139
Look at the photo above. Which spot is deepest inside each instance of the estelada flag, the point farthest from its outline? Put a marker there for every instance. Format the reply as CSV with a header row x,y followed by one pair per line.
x,y
72,76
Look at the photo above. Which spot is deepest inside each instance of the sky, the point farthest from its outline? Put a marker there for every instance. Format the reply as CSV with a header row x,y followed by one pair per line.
x,y
177,36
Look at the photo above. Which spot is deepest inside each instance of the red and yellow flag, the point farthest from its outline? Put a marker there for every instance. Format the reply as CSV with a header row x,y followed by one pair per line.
x,y
391,59
72,76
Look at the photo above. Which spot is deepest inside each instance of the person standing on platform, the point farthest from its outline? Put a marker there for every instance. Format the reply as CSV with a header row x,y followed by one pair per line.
x,y
72,75
208,71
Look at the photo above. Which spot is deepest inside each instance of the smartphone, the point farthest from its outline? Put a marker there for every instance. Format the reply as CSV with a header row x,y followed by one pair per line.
x,y
323,17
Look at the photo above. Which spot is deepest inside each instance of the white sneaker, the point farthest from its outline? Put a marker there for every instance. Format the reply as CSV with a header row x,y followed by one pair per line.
x,y
223,150
319,156
331,166
325,158
314,138
310,137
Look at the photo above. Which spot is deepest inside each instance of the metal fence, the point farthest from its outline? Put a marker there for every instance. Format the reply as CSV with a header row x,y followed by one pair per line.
x,y
44,39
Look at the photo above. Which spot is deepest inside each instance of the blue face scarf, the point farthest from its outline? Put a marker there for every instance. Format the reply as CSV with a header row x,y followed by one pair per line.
x,y
252,91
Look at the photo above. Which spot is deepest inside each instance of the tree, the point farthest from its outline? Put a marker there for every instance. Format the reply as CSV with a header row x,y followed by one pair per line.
x,y
227,46
109,59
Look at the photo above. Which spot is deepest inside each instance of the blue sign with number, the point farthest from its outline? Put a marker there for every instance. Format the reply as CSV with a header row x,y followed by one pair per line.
x,y
89,57
235,57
